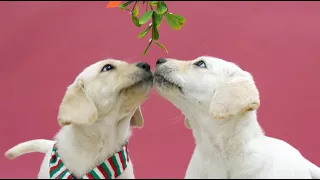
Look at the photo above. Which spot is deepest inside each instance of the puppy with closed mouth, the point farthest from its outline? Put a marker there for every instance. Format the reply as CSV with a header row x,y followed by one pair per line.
x,y
96,115
219,101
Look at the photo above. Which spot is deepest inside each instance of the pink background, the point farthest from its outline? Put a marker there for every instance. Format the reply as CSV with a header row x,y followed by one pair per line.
x,y
44,45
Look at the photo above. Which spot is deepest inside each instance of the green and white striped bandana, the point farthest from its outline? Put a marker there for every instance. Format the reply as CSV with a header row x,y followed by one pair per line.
x,y
109,169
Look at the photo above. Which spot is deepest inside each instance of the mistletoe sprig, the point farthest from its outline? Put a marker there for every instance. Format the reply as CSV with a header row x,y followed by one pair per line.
x,y
154,12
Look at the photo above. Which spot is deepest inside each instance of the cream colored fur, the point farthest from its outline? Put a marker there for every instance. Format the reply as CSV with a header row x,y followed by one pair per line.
x,y
219,101
96,114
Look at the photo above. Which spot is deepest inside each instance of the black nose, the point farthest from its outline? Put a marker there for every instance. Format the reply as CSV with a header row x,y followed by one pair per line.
x,y
143,65
160,61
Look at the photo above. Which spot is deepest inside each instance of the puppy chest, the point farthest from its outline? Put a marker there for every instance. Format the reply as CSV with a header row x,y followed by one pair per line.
x,y
211,167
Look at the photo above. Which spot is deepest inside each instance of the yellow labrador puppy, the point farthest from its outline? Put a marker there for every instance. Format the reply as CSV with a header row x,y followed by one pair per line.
x,y
220,100
96,114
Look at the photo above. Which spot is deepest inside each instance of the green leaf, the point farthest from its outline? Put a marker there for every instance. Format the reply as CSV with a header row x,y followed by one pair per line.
x,y
172,21
155,33
145,51
136,10
124,5
157,19
135,20
145,17
180,19
144,32
161,46
162,7
153,3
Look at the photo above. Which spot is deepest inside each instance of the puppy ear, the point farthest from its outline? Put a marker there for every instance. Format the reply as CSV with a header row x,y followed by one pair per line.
x,y
186,123
76,107
234,98
137,119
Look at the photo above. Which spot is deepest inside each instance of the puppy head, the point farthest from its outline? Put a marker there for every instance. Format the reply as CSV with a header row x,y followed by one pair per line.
x,y
208,86
108,87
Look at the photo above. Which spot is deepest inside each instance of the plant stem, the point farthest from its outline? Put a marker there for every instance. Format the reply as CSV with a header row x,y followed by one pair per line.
x,y
147,5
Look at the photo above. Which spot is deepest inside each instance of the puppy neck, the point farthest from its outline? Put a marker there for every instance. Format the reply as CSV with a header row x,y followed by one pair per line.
x,y
225,136
100,133
91,144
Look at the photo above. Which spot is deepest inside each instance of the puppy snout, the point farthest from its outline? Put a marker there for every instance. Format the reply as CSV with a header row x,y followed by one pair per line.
x,y
160,61
144,66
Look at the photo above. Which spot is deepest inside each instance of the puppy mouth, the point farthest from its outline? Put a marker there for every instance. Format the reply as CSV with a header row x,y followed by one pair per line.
x,y
163,81
145,80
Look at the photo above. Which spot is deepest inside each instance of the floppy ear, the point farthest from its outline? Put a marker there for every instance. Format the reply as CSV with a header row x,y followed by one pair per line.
x,y
137,119
76,107
186,123
234,98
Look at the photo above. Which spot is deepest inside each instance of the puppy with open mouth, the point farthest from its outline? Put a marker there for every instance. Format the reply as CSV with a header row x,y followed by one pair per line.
x,y
219,101
96,115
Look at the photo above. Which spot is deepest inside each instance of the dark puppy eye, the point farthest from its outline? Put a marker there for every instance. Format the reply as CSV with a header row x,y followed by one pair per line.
x,y
201,64
107,67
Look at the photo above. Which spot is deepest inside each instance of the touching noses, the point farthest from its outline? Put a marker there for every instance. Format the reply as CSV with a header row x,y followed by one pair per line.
x,y
160,61
144,66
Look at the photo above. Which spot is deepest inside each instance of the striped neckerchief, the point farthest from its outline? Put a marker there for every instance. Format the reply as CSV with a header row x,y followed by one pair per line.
x,y
113,167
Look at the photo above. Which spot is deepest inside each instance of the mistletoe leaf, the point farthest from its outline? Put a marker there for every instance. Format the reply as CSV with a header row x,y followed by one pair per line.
x,y
144,32
136,10
135,20
124,5
162,7
172,21
180,19
157,19
153,3
145,17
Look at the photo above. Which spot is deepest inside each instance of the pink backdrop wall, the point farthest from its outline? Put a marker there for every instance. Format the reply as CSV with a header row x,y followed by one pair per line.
x,y
44,45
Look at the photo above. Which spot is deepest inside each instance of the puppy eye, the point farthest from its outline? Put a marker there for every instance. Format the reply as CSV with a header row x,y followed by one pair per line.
x,y
107,67
201,64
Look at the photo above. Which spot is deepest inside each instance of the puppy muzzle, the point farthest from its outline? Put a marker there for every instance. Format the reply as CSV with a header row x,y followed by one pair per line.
x,y
162,79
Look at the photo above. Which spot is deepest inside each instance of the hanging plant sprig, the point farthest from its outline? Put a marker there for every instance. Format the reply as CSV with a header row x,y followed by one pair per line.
x,y
154,13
